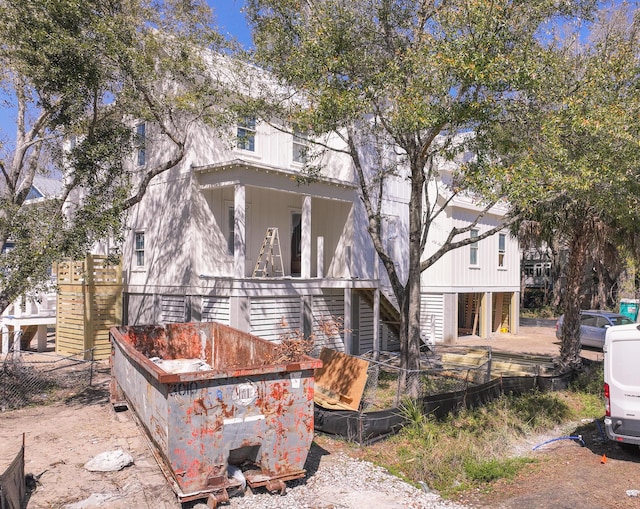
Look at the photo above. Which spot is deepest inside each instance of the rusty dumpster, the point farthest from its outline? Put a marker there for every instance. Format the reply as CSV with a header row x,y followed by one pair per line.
x,y
215,400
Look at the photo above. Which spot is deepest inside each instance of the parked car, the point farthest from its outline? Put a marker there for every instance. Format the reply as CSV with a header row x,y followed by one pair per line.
x,y
594,325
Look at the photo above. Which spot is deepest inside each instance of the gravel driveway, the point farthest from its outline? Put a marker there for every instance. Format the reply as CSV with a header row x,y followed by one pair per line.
x,y
337,481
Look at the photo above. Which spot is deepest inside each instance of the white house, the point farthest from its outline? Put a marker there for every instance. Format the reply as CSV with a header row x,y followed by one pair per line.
x,y
195,241
34,313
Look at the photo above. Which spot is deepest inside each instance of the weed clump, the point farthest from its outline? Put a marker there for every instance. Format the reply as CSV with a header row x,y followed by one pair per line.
x,y
471,448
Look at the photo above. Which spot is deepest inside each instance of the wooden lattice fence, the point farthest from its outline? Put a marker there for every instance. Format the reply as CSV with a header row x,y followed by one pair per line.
x,y
89,303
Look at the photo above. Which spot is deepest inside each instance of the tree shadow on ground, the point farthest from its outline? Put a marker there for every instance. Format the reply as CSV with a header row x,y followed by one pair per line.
x,y
594,437
92,395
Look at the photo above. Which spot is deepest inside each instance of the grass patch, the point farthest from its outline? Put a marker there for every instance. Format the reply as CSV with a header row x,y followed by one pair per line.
x,y
473,448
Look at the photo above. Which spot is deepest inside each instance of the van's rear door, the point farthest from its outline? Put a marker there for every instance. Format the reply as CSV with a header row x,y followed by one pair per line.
x,y
622,374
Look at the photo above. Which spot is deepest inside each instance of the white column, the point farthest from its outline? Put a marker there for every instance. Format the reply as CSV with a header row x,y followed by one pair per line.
x,y
305,268
5,340
239,228
320,258
347,321
376,305
42,338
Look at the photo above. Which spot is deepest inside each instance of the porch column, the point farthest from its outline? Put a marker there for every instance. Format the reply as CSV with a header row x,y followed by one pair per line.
x,y
376,306
239,233
305,248
515,313
348,327
42,338
486,323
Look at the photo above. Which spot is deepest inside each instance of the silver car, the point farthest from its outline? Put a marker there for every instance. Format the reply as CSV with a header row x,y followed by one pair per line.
x,y
594,325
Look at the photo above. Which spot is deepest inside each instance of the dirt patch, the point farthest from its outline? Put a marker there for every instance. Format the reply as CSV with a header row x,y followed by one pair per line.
x,y
62,437
567,475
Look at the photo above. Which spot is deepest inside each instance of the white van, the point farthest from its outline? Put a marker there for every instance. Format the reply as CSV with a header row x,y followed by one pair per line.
x,y
622,383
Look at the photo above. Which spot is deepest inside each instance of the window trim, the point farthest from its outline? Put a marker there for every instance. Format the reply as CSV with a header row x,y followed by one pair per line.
x,y
246,134
502,250
141,144
473,248
139,252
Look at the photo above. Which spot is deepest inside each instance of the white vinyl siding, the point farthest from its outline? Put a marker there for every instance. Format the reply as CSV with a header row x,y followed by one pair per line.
x,y
172,308
328,309
432,316
275,317
216,309
365,327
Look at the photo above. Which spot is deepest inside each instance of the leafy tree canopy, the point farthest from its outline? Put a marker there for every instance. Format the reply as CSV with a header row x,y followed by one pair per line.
x,y
77,77
412,75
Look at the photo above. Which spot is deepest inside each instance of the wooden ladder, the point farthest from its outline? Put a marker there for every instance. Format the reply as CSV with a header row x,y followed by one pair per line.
x,y
269,262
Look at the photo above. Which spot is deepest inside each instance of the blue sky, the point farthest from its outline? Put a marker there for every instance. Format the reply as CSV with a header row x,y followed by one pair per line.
x,y
230,19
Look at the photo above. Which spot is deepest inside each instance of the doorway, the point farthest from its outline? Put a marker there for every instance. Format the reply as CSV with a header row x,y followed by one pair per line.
x,y
296,243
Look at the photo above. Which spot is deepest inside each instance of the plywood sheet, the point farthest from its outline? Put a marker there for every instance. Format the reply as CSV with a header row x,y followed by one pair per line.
x,y
340,382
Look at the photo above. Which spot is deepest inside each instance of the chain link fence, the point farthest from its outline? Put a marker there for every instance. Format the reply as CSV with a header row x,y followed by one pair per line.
x,y
34,378
437,375
450,378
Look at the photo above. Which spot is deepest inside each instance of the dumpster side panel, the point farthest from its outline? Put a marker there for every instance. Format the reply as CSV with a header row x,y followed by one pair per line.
x,y
288,408
266,420
146,395
233,349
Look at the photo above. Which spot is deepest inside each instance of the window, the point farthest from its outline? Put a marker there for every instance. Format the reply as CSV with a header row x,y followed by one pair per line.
x,y
501,248
141,132
473,248
247,134
139,249
231,229
300,146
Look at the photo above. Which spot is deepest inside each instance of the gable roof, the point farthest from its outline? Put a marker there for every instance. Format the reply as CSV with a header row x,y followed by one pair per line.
x,y
45,187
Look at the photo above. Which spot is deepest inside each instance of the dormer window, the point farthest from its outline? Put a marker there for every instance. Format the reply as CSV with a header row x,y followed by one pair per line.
x,y
247,134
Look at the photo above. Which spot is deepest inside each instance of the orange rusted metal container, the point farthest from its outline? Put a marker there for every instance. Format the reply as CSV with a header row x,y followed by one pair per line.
x,y
210,396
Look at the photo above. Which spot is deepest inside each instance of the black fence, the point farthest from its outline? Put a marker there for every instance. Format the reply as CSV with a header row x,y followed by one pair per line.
x,y
443,389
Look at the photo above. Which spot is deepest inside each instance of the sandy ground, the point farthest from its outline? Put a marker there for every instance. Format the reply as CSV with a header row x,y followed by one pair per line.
x,y
534,337
62,437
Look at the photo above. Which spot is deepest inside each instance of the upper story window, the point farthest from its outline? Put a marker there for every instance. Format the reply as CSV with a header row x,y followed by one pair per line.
x,y
247,134
138,249
502,239
141,141
473,248
300,146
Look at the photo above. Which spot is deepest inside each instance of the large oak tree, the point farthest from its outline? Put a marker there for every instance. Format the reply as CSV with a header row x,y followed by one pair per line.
x,y
412,75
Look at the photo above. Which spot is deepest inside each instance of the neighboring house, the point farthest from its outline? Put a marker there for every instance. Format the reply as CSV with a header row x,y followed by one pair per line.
x,y
32,314
196,237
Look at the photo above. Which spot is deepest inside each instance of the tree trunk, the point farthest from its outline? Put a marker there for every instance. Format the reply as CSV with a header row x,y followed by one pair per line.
x,y
570,347
410,304
602,290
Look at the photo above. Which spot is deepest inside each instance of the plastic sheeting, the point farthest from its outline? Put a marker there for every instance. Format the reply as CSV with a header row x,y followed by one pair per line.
x,y
367,427
12,483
